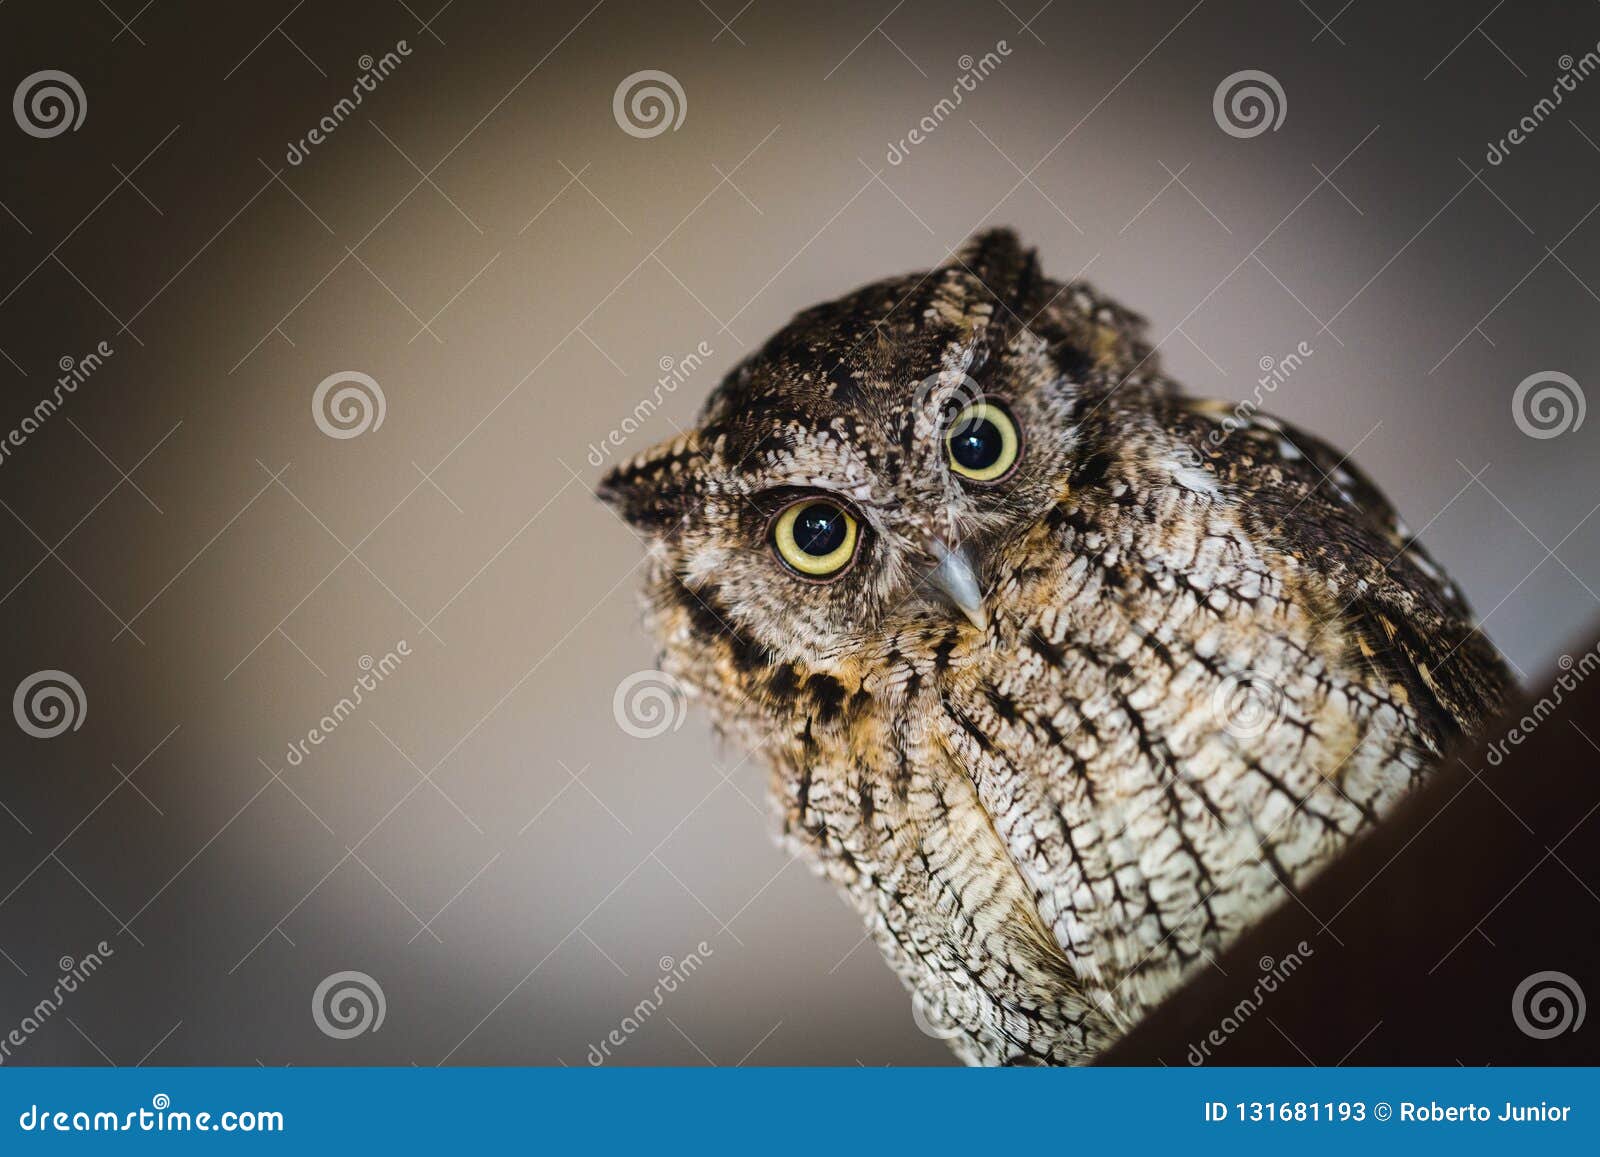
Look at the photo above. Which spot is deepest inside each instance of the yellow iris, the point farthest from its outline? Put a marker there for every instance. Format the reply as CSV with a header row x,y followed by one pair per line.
x,y
983,442
798,552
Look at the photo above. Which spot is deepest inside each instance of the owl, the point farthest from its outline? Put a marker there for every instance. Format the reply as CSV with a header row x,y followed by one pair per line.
x,y
1064,678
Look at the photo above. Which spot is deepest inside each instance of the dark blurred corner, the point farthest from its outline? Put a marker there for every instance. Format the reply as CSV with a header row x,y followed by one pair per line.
x,y
1464,929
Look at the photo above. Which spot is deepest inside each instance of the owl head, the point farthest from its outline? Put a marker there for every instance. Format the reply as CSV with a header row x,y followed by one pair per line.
x,y
857,475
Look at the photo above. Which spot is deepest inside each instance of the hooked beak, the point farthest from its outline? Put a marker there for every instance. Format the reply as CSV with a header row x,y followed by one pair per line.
x,y
955,578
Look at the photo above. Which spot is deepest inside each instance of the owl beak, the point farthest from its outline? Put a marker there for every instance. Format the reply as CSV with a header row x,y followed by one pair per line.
x,y
956,579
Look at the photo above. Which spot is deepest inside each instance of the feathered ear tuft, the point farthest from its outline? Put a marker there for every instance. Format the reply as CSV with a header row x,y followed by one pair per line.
x,y
996,257
1008,273
655,489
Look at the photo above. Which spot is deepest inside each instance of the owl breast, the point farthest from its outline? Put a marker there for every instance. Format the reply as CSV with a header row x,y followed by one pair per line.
x,y
1049,823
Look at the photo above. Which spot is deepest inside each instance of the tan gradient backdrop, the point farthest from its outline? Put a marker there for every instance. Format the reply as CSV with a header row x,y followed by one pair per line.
x,y
483,240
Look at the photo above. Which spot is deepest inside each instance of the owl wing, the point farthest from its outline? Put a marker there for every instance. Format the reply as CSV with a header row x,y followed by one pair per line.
x,y
1406,622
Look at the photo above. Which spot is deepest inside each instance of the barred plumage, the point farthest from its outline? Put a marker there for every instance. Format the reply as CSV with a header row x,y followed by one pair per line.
x,y
1061,736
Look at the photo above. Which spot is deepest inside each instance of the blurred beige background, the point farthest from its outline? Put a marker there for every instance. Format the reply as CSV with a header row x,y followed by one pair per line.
x,y
484,240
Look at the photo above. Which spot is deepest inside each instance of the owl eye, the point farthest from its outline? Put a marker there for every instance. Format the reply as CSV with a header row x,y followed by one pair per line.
x,y
984,442
815,537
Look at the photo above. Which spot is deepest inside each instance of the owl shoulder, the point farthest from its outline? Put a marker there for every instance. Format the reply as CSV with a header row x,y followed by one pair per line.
x,y
1404,618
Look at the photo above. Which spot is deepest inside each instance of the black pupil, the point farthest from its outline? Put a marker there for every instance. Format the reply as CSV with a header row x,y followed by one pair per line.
x,y
977,444
820,529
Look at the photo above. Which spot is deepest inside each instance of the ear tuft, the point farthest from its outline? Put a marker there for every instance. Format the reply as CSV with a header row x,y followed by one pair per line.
x,y
653,490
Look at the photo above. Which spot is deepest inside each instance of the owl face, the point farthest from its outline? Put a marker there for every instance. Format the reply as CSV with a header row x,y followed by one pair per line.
x,y
857,474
